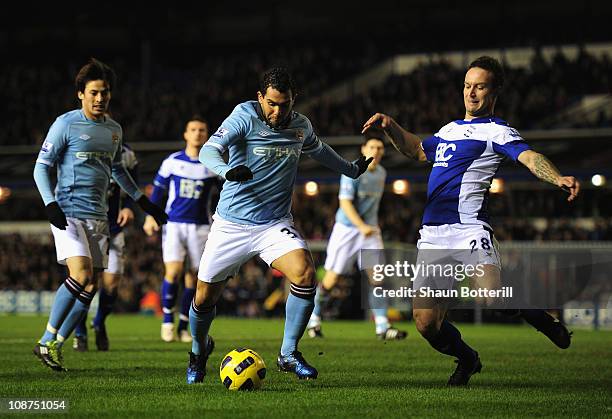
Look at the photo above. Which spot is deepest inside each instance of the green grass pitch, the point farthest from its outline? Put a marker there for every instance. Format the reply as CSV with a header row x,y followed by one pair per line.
x,y
141,376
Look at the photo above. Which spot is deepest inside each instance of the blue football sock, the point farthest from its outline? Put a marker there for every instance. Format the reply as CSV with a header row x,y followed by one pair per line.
x,y
78,311
200,320
168,294
106,303
379,306
188,294
298,309
448,341
81,327
64,300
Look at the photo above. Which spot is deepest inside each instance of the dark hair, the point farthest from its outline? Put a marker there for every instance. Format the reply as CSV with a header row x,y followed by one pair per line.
x,y
278,78
373,133
493,66
196,118
94,70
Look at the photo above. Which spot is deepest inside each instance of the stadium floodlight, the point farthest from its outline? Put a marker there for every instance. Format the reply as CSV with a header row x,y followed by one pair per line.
x,y
598,180
401,187
311,188
5,193
497,185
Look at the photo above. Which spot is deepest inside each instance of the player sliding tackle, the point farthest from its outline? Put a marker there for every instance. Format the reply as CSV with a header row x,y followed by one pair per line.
x,y
265,139
466,155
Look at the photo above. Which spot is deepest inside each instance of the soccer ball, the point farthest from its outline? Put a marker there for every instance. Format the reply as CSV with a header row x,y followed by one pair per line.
x,y
242,369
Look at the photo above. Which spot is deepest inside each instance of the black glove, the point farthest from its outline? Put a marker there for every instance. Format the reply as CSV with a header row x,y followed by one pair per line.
x,y
239,174
153,210
362,164
56,216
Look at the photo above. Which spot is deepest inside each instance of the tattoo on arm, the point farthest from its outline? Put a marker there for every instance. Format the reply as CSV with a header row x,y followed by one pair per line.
x,y
407,146
544,169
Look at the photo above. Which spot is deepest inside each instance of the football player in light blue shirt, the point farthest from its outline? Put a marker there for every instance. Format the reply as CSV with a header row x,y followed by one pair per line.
x,y
356,228
265,139
466,155
86,146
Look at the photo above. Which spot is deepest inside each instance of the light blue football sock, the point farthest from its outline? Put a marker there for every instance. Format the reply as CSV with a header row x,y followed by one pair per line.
x,y
379,306
76,314
200,320
298,309
62,304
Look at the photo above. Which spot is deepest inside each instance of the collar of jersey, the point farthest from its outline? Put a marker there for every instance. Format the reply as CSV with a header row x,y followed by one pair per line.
x,y
91,120
483,120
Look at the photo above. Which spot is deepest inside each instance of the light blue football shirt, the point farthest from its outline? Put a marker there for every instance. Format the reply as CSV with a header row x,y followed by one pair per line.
x,y
272,154
87,154
366,192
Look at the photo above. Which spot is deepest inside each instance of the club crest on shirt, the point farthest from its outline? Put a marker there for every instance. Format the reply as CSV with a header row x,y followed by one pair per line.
x,y
299,134
115,138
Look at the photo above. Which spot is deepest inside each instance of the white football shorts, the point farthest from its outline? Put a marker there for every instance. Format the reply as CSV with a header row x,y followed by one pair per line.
x,y
184,239
345,245
468,245
116,254
83,237
230,245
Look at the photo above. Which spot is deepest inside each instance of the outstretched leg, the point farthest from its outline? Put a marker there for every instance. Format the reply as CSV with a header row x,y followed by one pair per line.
x,y
446,338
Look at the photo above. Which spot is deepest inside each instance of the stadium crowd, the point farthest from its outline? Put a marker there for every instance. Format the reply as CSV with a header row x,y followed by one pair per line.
x,y
164,92
431,94
151,101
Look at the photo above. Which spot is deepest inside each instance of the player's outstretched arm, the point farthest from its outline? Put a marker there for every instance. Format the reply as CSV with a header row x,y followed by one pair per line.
x,y
326,155
405,142
545,170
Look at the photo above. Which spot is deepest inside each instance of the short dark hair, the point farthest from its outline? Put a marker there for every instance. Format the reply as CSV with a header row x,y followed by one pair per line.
x,y
196,118
278,78
95,70
493,66
373,133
